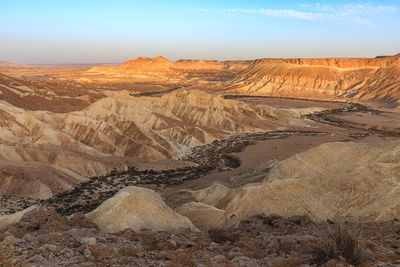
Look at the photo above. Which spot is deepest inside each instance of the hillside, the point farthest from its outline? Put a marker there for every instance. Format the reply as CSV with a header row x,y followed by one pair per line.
x,y
358,182
10,65
329,78
164,67
61,149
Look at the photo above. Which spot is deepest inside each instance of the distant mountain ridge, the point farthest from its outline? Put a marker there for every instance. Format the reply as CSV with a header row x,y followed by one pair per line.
x,y
161,64
9,65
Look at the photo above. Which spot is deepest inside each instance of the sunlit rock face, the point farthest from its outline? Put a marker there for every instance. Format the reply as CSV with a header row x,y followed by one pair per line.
x,y
160,67
326,78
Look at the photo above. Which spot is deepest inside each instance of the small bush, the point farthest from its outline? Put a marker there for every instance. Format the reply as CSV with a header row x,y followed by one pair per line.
x,y
6,255
221,236
340,243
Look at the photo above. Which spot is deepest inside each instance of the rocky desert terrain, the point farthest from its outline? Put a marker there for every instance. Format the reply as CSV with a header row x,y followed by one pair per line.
x,y
355,79
271,162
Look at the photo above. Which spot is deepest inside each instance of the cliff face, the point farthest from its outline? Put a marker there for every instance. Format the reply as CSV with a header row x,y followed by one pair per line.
x,y
330,78
345,63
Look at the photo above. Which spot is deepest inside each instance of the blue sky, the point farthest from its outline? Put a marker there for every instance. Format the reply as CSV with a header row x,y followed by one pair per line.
x,y
79,31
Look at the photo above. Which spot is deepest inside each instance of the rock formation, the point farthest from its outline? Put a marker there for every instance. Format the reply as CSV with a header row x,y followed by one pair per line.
x,y
336,181
162,66
137,209
329,78
61,149
6,220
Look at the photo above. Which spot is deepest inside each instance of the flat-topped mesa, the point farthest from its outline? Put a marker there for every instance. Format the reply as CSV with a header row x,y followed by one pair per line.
x,y
323,78
160,64
146,64
397,55
387,61
157,59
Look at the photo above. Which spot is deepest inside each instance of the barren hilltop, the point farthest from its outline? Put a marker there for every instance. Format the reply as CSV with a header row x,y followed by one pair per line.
x,y
162,65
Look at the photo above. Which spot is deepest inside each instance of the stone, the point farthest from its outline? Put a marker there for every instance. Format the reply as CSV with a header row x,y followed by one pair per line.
x,y
219,258
89,241
87,254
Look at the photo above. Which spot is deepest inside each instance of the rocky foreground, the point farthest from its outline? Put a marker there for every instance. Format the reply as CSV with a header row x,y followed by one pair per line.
x,y
317,208
45,238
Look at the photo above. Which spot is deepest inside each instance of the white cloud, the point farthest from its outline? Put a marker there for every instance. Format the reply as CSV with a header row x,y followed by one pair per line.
x,y
200,9
290,13
317,7
357,13
367,9
279,13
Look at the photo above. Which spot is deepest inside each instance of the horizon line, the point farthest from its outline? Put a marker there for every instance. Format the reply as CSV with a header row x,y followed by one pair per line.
x,y
235,59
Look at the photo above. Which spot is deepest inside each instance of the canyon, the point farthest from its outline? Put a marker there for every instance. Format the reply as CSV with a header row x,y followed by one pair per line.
x,y
196,160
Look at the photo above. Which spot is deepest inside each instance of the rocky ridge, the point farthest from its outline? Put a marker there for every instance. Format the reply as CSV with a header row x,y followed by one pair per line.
x,y
62,149
358,182
162,67
355,79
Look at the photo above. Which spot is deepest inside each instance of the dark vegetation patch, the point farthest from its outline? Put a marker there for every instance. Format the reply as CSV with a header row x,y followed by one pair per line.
x,y
325,117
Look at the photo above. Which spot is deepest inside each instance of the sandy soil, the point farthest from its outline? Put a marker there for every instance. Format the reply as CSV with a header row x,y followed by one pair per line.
x,y
259,155
387,120
288,103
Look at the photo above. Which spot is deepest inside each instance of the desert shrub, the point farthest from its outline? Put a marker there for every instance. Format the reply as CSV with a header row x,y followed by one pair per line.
x,y
231,162
6,255
340,243
221,236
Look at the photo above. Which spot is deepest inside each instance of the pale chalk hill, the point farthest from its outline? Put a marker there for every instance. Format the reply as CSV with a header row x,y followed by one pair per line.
x,y
336,181
43,152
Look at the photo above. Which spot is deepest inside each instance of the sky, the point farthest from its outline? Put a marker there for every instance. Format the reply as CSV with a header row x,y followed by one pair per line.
x,y
99,31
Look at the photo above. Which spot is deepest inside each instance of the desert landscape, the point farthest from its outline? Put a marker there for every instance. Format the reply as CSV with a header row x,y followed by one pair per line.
x,y
199,151
237,160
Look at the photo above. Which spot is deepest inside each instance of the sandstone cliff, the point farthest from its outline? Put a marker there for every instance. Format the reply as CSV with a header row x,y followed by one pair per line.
x,y
330,78
161,65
